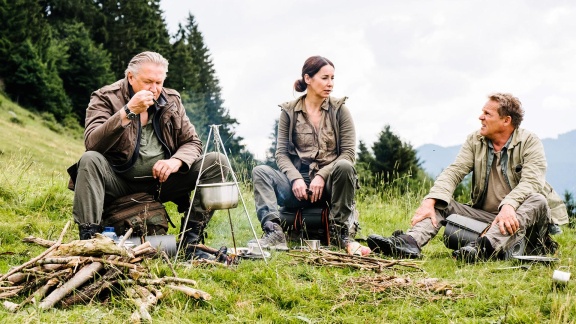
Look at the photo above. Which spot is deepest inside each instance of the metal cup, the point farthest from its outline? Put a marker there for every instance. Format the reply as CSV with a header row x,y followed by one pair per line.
x,y
560,277
313,245
253,248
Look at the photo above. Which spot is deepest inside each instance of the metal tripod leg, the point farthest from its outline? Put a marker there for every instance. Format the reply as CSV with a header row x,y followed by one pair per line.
x,y
218,144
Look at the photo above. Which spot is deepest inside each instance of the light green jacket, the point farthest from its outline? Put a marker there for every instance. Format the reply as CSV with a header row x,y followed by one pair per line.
x,y
525,173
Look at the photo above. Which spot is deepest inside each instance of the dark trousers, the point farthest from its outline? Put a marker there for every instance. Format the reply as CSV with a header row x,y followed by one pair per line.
x,y
272,188
97,185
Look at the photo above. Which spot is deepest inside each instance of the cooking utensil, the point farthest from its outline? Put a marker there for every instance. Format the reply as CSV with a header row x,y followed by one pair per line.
x,y
535,258
214,196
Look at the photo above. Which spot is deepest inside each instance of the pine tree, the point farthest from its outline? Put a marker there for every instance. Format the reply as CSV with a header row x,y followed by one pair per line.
x,y
87,67
30,59
132,27
195,77
271,153
392,157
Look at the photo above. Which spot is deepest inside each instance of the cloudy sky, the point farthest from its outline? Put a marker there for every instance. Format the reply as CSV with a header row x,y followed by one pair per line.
x,y
423,67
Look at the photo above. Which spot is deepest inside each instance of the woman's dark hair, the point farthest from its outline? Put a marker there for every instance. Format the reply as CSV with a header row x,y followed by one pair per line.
x,y
312,65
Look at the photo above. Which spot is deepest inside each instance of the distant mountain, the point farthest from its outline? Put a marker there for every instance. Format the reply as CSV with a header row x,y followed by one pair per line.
x,y
559,153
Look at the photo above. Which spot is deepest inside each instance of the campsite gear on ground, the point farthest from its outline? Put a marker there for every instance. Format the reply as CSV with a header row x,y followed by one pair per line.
x,y
313,245
166,243
399,245
535,259
560,277
249,252
461,230
313,223
109,232
474,251
273,237
523,267
139,211
225,202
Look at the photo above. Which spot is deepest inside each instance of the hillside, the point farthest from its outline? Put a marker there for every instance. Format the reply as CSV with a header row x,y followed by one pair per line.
x,y
35,137
561,160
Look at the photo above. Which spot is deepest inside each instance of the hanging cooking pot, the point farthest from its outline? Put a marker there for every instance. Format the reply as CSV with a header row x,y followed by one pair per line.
x,y
214,196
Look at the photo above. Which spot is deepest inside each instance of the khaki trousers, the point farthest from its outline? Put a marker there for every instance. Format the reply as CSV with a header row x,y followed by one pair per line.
x,y
533,215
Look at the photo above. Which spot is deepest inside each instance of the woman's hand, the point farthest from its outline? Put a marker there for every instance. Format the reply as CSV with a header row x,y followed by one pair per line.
x,y
299,189
316,188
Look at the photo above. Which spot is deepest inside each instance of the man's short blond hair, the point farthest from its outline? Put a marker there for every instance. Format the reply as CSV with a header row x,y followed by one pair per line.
x,y
509,106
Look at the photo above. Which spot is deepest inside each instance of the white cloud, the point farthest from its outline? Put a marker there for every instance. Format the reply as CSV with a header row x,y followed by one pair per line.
x,y
425,68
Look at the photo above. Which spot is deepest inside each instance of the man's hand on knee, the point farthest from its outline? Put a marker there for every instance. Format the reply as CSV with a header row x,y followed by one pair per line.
x,y
164,168
506,220
426,210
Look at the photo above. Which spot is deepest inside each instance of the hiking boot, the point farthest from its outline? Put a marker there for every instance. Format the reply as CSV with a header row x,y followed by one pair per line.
x,y
398,246
339,236
273,238
479,250
554,229
88,231
192,236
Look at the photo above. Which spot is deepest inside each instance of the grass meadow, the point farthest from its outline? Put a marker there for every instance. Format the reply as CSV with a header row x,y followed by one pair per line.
x,y
34,200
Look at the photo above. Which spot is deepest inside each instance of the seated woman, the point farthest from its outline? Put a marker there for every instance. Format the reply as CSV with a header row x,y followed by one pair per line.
x,y
316,149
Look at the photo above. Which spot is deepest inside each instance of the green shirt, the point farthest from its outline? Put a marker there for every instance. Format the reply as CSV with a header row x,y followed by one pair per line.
x,y
151,151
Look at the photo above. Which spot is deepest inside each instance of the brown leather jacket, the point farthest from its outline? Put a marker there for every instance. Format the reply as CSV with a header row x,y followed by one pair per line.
x,y
105,134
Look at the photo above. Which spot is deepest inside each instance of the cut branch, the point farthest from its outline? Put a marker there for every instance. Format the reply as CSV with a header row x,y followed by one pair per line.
x,y
43,254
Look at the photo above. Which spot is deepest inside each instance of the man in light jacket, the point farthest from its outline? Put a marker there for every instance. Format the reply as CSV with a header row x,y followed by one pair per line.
x,y
509,190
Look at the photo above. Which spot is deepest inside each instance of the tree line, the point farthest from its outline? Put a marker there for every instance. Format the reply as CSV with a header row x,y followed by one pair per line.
x,y
54,53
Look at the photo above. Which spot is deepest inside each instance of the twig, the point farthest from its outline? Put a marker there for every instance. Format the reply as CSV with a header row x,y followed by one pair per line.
x,y
39,241
80,278
167,259
194,293
43,254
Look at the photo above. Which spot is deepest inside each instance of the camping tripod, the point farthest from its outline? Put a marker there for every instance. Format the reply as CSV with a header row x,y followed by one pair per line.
x,y
218,144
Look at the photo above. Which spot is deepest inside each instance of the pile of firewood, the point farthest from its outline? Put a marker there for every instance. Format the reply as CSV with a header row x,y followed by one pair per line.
x,y
87,271
329,258
396,287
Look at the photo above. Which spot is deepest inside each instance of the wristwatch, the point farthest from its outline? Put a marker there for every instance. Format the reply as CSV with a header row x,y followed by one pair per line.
x,y
129,113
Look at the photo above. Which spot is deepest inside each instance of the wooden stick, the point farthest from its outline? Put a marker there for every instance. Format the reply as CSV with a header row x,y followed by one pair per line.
x,y
85,274
157,282
194,293
40,293
39,241
53,247
167,259
85,293
144,300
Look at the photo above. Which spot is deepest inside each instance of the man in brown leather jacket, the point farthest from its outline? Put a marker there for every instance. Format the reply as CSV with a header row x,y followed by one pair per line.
x,y
139,139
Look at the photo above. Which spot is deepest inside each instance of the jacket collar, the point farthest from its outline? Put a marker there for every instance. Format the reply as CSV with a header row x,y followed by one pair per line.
x,y
512,141
297,104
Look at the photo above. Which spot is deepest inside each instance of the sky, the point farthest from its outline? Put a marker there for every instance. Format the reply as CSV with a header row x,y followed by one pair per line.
x,y
422,67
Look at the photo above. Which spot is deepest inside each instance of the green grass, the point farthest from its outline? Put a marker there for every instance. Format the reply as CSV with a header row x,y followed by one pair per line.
x,y
34,200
